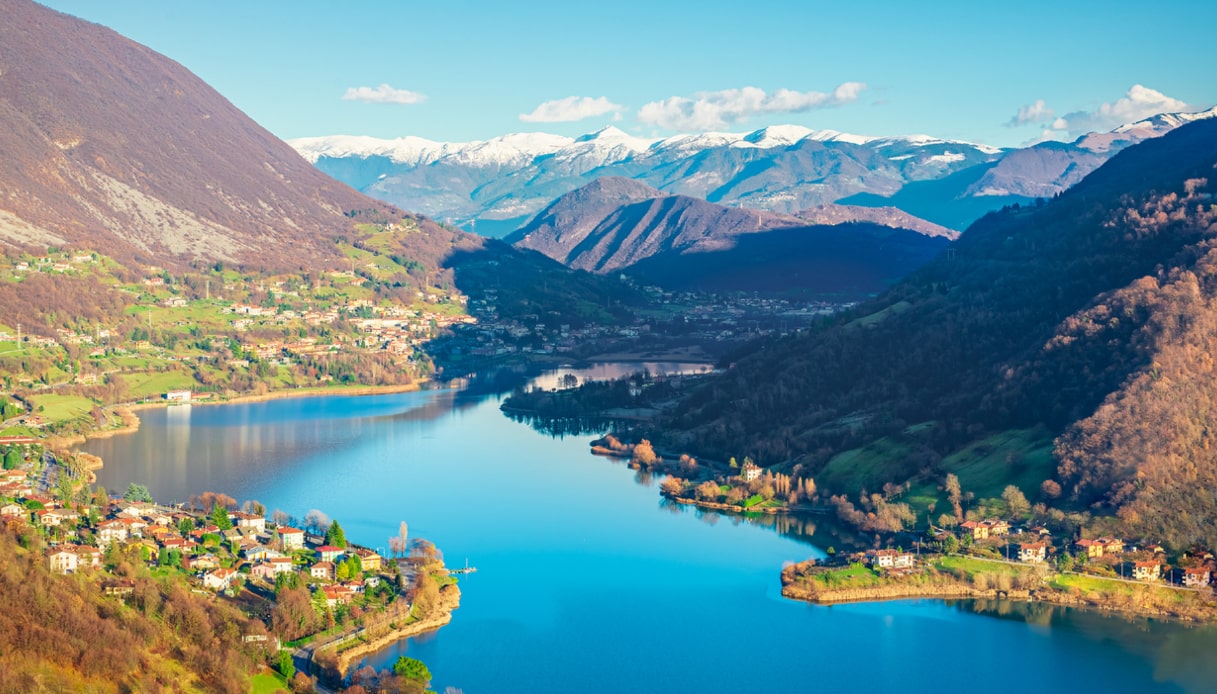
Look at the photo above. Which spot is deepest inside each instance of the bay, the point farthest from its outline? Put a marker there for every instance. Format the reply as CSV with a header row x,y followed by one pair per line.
x,y
587,582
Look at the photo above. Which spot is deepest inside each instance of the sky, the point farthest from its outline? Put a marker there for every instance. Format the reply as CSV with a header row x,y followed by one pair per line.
x,y
1003,74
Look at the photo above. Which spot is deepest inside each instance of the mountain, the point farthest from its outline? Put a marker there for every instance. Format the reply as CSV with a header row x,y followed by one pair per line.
x,y
616,224
502,182
1066,343
497,185
111,146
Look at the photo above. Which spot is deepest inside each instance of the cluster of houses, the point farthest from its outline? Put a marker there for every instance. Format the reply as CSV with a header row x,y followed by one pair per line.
x,y
259,551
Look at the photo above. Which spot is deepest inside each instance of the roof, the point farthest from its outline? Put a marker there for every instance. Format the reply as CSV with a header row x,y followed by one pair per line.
x,y
290,531
330,548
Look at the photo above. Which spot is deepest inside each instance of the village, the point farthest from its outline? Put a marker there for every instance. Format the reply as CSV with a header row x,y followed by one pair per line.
x,y
357,597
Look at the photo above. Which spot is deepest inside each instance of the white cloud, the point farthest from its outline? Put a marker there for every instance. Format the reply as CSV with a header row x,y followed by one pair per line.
x,y
715,110
1140,102
572,108
1031,113
384,94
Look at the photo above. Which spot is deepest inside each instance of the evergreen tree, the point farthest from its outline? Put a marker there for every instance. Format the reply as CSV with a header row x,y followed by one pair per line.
x,y
335,536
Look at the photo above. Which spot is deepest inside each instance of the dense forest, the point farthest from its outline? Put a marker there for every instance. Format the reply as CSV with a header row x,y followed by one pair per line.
x,y
1090,317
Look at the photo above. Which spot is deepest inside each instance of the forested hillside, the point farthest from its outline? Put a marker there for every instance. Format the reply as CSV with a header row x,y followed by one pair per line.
x,y
63,634
1090,318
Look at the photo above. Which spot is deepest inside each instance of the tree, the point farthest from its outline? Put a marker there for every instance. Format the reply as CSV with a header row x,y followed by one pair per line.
x,y
1051,489
219,517
13,458
1016,502
335,536
184,526
954,494
316,521
412,669
287,667
644,453
137,492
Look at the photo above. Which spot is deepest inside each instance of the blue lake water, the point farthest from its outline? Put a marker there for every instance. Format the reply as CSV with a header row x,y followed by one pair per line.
x,y
588,583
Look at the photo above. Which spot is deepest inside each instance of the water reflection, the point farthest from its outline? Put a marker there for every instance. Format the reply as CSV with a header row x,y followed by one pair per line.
x,y
1180,654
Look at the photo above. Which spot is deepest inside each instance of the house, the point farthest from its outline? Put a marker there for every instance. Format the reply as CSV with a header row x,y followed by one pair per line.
x,y
281,565
263,570
259,553
750,471
1033,552
337,595
1196,577
323,570
118,587
68,559
62,560
1111,545
329,553
889,559
291,538
1092,549
250,521
111,531
368,560
978,531
219,579
996,527
13,509
54,517
178,396
1147,571
200,563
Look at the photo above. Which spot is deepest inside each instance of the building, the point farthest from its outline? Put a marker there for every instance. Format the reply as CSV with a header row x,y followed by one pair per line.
x,y
1033,552
250,521
889,559
1196,577
978,530
1092,549
291,538
323,570
178,396
111,531
368,560
219,579
1147,571
329,553
62,560
750,471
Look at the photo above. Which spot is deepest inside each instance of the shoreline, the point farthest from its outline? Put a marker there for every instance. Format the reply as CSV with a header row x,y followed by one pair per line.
x,y
131,421
1139,607
450,600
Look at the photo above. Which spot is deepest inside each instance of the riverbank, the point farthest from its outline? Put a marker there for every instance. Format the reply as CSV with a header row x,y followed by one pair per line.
x,y
967,578
449,601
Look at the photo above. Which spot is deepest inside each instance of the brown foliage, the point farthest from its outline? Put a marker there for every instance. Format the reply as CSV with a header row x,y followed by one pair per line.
x,y
59,633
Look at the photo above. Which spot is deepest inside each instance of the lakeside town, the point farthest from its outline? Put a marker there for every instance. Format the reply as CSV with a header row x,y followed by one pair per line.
x,y
323,601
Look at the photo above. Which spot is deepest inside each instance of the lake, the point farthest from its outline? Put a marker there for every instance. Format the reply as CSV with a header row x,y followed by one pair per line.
x,y
587,582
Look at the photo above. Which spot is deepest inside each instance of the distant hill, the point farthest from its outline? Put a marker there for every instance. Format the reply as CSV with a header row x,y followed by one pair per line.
x,y
616,224
1067,343
496,185
111,146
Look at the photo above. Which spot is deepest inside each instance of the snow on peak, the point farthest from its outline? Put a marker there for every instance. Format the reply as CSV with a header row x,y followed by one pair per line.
x,y
616,137
778,135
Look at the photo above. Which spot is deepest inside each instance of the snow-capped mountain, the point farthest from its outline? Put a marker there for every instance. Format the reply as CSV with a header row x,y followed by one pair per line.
x,y
499,183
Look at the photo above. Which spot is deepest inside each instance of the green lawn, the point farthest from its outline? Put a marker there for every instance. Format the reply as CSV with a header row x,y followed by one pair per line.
x,y
852,576
867,467
1022,457
267,683
62,408
970,567
879,316
142,385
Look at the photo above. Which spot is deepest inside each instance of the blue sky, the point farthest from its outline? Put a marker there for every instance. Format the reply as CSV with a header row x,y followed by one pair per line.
x,y
473,70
